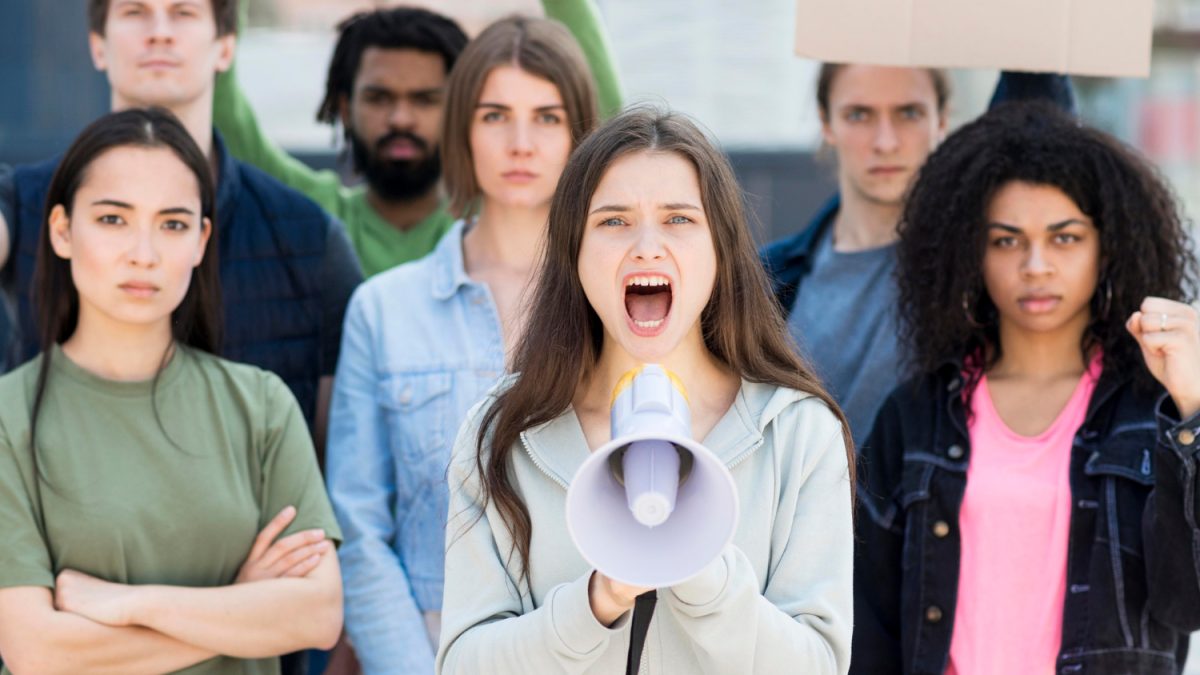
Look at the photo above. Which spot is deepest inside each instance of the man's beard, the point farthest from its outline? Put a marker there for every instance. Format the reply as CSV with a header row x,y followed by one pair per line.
x,y
396,180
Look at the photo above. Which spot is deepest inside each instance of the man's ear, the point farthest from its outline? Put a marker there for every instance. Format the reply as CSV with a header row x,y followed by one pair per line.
x,y
60,231
96,47
943,121
826,131
227,46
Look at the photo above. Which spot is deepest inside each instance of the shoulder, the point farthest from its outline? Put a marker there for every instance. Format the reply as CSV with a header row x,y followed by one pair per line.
x,y
16,392
289,210
793,418
250,385
779,254
410,283
464,449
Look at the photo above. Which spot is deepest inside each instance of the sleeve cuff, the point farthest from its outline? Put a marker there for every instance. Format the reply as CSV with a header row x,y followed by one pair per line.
x,y
573,622
708,585
1182,435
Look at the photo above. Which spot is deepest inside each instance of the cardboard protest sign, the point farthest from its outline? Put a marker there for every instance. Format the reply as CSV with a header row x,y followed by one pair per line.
x,y
1083,37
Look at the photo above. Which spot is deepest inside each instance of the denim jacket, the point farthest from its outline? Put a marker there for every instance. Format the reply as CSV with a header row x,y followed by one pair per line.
x,y
1133,554
422,343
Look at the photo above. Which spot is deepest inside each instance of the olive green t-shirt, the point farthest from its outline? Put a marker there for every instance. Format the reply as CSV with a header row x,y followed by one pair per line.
x,y
163,482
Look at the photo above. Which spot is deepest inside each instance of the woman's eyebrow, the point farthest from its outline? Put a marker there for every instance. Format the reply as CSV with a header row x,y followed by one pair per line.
x,y
112,202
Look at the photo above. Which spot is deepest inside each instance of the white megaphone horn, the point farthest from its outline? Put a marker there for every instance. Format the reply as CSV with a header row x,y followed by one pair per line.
x,y
651,507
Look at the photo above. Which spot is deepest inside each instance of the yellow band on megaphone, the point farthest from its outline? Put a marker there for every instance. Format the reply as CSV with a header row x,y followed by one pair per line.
x,y
627,380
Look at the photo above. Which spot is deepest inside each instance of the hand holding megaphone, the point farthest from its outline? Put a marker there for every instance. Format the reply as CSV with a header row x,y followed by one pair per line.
x,y
652,507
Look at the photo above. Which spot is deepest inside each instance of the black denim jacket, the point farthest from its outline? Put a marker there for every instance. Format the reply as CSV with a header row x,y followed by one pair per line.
x,y
1133,557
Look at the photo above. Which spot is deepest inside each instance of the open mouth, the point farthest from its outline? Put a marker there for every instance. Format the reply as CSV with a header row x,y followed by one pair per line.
x,y
647,303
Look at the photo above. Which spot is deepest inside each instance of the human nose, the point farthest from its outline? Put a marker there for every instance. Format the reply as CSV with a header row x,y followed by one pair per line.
x,y
1035,263
885,136
161,29
401,116
520,139
649,244
143,252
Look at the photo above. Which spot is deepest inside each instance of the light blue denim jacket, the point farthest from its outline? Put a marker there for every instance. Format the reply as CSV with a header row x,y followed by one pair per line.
x,y
422,344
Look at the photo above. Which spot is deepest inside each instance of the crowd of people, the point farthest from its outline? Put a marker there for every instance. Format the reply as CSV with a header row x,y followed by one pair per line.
x,y
961,406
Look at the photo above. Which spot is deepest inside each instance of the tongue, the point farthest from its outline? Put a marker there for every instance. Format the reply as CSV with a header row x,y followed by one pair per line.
x,y
648,307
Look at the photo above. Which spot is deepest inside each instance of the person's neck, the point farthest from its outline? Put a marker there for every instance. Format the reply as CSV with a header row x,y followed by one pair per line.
x,y
862,224
116,351
708,382
505,238
405,214
1041,356
196,116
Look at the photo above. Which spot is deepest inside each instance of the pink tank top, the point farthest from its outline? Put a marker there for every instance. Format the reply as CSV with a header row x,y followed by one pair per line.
x,y
1014,525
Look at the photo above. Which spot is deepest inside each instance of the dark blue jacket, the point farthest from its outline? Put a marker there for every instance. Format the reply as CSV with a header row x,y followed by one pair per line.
x,y
287,271
1133,554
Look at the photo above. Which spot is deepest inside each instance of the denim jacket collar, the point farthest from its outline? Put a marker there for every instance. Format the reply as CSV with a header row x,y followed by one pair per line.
x,y
559,447
449,270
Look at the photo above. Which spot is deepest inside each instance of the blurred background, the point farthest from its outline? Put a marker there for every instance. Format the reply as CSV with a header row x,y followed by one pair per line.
x,y
729,63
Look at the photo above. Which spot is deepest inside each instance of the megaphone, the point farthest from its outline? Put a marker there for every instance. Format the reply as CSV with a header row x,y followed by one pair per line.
x,y
651,507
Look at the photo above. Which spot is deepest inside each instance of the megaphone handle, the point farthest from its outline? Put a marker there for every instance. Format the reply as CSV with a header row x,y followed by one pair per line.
x,y
643,611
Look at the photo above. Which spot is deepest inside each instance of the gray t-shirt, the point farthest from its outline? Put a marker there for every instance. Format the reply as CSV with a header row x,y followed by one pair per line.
x,y
845,322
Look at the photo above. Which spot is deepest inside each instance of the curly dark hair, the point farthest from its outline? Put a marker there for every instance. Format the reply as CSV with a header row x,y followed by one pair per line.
x,y
946,314
391,28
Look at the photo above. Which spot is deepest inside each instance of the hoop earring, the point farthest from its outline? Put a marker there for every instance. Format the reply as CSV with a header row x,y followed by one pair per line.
x,y
966,305
1106,304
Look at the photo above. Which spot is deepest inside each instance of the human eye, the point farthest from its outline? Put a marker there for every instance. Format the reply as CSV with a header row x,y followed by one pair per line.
x,y
426,100
375,98
679,220
856,115
549,118
612,222
175,225
1066,238
1004,241
131,9
185,11
110,219
912,112
492,116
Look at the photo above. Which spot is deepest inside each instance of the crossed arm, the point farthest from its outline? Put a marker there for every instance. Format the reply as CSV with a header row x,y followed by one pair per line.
x,y
287,597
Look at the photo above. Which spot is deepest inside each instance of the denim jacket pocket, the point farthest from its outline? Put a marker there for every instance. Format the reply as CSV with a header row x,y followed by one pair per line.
x,y
417,407
1123,471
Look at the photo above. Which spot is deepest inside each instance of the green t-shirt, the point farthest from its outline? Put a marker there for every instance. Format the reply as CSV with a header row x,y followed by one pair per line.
x,y
153,483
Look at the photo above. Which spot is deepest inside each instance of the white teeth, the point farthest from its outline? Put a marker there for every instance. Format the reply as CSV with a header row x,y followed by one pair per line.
x,y
648,324
649,281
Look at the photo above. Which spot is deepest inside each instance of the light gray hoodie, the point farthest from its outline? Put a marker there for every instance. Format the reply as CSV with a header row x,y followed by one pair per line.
x,y
778,599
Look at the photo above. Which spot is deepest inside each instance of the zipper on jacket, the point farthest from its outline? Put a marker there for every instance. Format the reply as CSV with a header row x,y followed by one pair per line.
x,y
1145,462
538,463
746,453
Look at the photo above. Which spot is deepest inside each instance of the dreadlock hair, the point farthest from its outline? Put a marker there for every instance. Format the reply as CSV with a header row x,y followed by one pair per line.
x,y
946,313
394,28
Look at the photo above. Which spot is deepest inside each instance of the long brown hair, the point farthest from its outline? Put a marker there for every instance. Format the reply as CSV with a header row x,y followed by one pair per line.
x,y
537,46
742,323
196,322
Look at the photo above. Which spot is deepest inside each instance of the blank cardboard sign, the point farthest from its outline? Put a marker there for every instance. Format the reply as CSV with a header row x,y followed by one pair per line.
x,y
1083,37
